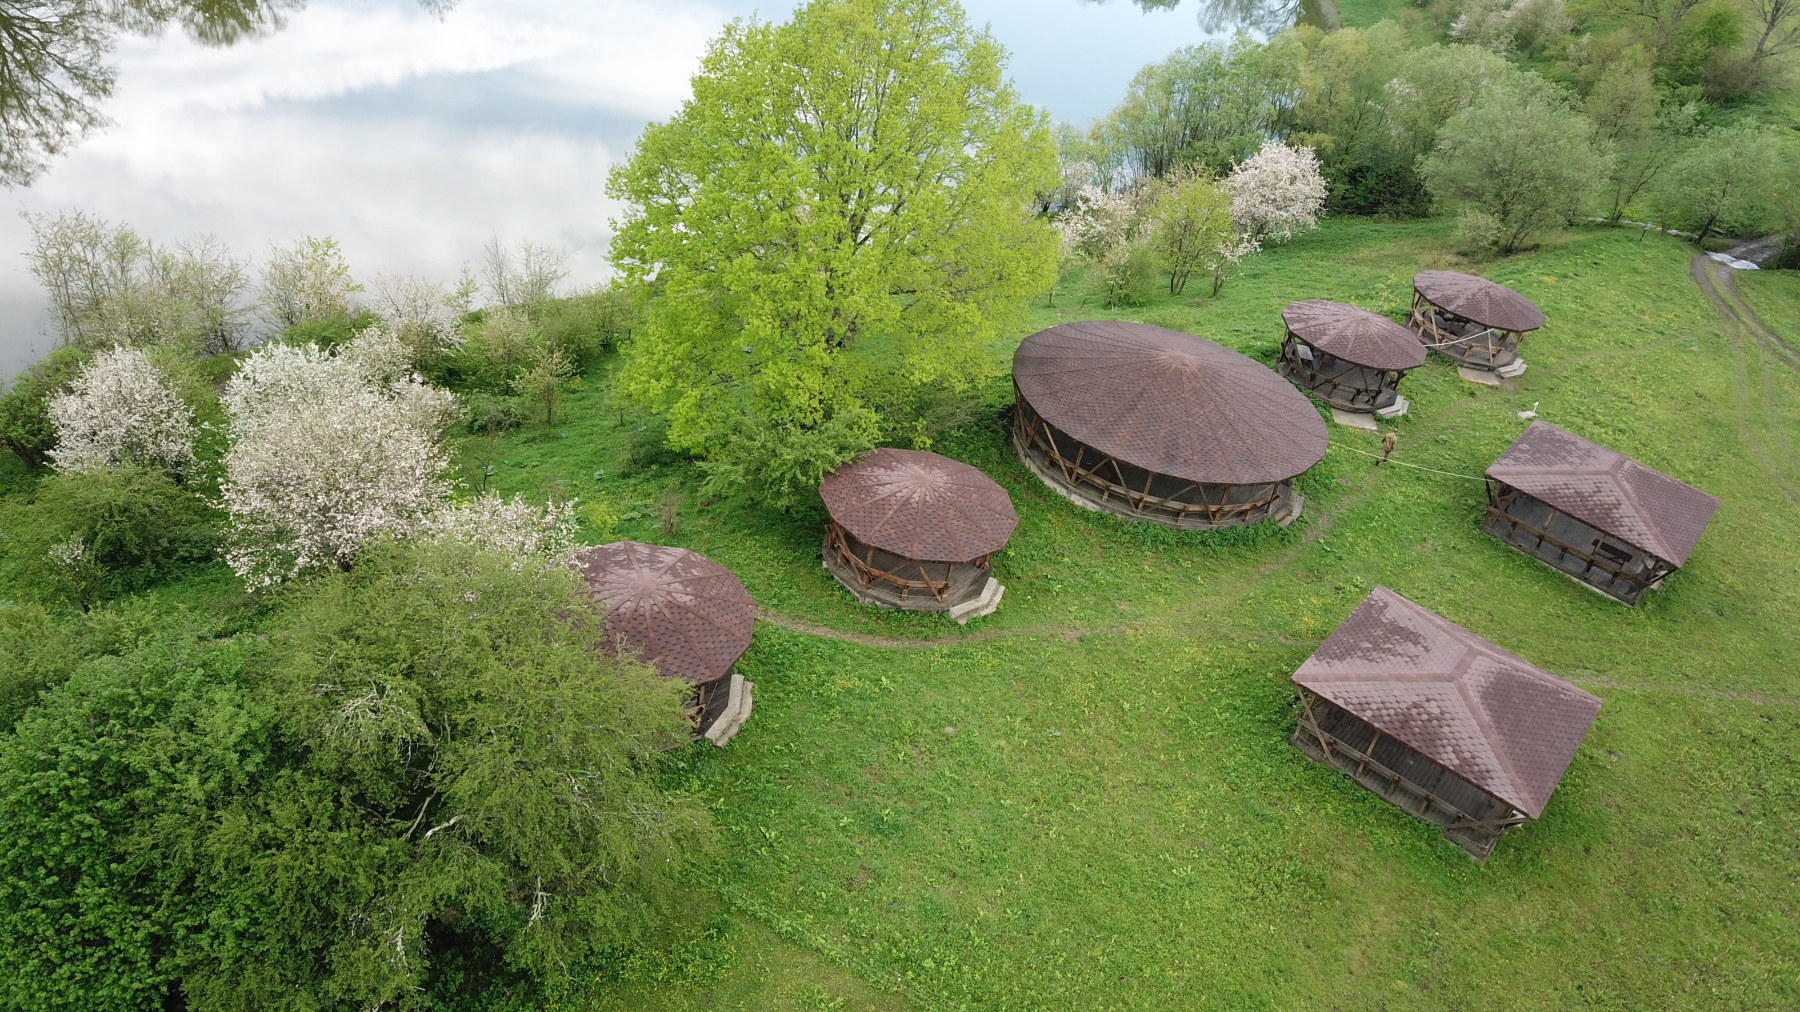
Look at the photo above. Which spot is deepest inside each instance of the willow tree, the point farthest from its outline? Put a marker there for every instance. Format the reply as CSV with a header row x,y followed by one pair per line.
x,y
838,217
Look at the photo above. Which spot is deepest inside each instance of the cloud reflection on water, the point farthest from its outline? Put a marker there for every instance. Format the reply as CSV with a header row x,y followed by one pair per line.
x,y
411,139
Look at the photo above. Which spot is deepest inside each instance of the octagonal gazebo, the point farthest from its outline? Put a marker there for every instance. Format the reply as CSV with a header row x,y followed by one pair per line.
x,y
1473,322
1153,424
683,613
914,530
1349,358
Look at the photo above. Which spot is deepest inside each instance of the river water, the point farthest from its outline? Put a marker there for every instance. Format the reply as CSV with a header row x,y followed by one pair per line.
x,y
412,139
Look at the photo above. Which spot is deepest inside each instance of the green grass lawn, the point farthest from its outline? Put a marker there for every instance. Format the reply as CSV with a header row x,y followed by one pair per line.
x,y
1087,800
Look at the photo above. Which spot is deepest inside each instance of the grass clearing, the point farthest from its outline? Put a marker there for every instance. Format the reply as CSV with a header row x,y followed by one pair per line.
x,y
1117,821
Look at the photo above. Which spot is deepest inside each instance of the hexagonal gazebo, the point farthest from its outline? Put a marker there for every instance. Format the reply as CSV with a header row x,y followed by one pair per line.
x,y
1438,721
683,613
1349,358
1473,322
914,530
1153,424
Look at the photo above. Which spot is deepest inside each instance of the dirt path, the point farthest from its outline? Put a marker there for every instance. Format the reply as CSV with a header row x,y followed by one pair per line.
x,y
899,643
1714,279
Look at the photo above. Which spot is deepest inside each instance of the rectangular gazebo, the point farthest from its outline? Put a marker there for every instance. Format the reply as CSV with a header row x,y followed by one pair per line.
x,y
1596,515
1438,721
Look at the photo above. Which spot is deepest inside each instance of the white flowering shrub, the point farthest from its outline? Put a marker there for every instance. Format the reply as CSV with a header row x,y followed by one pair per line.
x,y
421,314
307,281
511,525
1277,192
327,452
121,409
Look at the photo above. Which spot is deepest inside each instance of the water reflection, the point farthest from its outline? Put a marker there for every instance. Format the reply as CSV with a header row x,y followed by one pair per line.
x,y
412,139
55,71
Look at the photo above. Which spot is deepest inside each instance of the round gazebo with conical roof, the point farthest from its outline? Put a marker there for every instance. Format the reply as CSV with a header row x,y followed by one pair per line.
x,y
1153,424
1473,322
683,613
1349,358
915,530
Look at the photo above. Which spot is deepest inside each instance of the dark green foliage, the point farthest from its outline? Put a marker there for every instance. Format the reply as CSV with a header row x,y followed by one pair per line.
x,y
1701,41
647,444
24,409
489,413
93,535
106,790
1378,182
429,764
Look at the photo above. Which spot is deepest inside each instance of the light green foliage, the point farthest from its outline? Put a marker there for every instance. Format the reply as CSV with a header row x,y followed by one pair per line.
x,y
1343,94
25,407
307,283
1211,105
499,349
545,382
1433,85
1192,221
853,185
1724,182
1631,121
586,325
87,536
1521,154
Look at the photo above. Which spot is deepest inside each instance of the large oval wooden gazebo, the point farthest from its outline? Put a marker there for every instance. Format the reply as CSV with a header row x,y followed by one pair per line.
x,y
1473,322
915,530
683,613
1349,358
1153,424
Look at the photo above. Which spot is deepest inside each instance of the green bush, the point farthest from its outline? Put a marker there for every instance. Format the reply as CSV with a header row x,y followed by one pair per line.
x,y
585,326
24,409
428,764
108,790
93,535
489,414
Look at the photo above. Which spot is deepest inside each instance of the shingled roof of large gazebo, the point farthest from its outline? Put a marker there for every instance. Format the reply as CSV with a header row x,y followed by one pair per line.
x,y
1497,721
682,612
1169,402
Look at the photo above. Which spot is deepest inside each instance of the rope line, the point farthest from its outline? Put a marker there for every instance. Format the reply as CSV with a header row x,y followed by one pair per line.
x,y
1403,463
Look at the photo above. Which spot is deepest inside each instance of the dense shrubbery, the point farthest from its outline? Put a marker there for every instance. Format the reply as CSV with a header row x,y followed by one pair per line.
x,y
92,535
428,763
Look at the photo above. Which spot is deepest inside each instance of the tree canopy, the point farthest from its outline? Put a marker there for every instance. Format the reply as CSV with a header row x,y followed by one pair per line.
x,y
843,208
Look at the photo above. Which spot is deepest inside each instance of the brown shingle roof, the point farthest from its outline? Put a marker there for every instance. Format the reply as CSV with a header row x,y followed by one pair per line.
x,y
1169,402
1478,299
1354,334
1607,490
679,610
920,505
1504,725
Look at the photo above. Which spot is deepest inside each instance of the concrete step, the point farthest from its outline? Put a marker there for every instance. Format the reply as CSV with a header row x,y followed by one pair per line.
x,y
986,603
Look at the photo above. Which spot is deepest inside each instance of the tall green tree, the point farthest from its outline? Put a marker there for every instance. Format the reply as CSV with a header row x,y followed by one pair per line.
x,y
1521,156
1192,222
1723,184
843,206
1212,104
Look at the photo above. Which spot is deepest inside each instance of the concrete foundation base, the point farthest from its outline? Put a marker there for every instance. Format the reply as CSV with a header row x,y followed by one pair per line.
x,y
1354,419
1511,370
1481,376
737,710
986,604
1394,410
1296,501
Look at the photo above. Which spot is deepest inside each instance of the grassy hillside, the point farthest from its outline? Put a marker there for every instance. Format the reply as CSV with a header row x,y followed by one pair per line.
x,y
1087,799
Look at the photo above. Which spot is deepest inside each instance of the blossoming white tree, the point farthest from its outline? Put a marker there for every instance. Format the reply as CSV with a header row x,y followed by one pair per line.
x,y
1277,192
121,409
327,452
421,314
507,525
